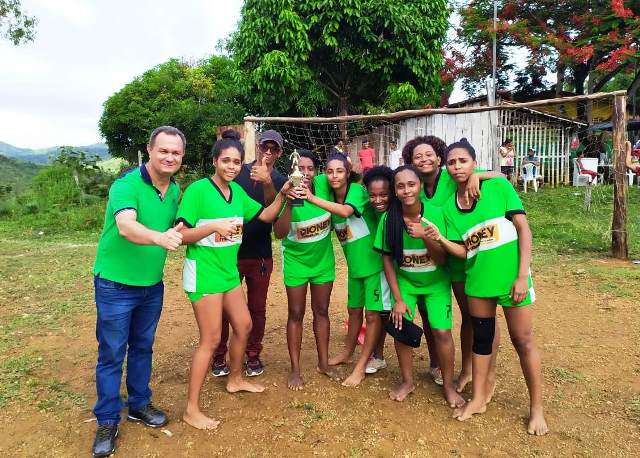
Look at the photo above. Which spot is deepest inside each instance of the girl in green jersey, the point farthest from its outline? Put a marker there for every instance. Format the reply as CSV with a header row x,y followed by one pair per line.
x,y
307,258
493,235
355,224
427,155
213,210
378,181
415,269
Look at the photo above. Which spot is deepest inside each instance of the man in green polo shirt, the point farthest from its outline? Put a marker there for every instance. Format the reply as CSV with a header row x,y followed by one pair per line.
x,y
138,231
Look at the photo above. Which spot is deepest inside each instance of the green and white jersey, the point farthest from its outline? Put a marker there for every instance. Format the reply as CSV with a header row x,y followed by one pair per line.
x,y
490,237
357,233
307,250
443,190
418,273
211,264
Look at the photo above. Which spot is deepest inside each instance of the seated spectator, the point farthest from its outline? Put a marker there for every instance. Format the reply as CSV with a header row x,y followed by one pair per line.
x,y
531,158
395,155
632,157
366,155
584,171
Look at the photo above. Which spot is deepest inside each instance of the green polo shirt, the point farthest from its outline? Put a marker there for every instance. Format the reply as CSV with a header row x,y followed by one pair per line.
x,y
122,261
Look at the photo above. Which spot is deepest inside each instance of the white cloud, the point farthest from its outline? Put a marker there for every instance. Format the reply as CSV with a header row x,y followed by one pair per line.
x,y
52,90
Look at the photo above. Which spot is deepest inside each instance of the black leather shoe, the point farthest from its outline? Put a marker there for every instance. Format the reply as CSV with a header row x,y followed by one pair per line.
x,y
149,415
105,442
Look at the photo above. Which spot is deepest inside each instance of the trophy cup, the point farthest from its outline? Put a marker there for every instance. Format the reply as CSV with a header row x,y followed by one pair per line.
x,y
296,177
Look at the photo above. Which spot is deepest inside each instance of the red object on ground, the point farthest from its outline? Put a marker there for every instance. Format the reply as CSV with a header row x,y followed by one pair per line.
x,y
363,329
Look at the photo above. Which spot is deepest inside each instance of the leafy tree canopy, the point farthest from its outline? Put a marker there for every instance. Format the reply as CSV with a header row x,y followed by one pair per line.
x,y
15,25
195,98
332,57
577,39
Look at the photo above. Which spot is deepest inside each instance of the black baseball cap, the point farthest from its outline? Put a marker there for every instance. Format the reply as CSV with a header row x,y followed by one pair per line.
x,y
270,136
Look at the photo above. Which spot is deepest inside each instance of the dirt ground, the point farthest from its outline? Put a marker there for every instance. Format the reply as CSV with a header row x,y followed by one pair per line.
x,y
589,339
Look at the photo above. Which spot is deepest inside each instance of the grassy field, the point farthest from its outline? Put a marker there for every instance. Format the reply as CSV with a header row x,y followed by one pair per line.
x,y
47,350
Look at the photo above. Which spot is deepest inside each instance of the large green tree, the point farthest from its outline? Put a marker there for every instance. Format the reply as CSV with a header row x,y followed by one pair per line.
x,y
15,25
196,98
335,57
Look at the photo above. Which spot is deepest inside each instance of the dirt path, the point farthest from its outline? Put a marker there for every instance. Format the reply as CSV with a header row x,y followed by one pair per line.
x,y
591,358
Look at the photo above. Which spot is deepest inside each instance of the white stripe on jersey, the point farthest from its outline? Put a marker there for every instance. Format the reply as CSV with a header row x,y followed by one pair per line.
x,y
352,229
311,230
215,240
417,260
488,235
189,275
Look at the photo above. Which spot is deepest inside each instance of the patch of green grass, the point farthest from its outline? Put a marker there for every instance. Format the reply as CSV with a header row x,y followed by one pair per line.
x,y
355,452
15,377
57,395
564,375
560,224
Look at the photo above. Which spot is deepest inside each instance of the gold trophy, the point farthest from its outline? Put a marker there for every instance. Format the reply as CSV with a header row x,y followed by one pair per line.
x,y
296,177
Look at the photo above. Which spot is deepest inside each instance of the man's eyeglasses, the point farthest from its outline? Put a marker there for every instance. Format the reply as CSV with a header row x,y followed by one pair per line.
x,y
275,149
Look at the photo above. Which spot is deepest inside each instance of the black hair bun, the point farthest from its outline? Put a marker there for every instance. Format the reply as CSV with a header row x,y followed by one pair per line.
x,y
231,134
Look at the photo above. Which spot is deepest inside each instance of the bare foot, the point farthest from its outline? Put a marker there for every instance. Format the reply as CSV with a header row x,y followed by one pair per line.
x,y
537,424
462,381
453,398
343,357
199,420
233,386
469,409
331,372
295,381
354,379
400,392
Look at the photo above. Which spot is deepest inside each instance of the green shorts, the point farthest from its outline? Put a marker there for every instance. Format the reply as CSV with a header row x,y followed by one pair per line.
x,y
505,300
195,296
370,292
437,303
293,281
456,266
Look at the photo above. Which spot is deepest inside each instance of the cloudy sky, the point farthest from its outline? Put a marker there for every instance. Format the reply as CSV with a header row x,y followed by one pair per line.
x,y
52,90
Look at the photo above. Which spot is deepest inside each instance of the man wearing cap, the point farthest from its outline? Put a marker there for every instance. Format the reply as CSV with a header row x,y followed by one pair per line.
x,y
531,158
138,231
262,182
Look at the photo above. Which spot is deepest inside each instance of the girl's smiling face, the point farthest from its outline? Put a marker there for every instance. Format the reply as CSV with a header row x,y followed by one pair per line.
x,y
379,195
425,159
337,174
228,164
407,187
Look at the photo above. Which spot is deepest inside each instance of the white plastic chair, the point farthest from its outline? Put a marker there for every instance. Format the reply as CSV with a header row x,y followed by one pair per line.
x,y
588,163
529,174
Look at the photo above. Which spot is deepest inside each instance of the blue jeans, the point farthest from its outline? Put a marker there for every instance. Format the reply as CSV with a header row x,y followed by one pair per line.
x,y
127,317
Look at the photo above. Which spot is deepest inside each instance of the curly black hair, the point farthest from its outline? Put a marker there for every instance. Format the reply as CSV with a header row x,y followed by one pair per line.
x,y
379,172
438,145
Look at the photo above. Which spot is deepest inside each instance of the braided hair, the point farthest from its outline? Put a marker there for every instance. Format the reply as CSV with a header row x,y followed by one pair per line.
x,y
394,227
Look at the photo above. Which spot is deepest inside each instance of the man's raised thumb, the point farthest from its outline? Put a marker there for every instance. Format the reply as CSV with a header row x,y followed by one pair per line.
x,y
179,226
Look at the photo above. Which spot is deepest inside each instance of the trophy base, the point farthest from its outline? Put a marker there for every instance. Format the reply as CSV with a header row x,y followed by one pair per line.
x,y
297,202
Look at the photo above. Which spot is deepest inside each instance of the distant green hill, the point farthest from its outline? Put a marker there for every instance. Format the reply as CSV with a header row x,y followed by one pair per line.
x,y
16,173
41,156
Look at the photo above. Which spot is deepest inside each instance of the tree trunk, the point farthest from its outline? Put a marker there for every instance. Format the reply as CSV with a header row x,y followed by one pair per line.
x,y
562,69
580,73
633,90
343,110
619,246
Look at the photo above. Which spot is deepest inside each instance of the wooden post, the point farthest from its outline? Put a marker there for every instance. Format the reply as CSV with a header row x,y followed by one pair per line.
x,y
249,141
619,247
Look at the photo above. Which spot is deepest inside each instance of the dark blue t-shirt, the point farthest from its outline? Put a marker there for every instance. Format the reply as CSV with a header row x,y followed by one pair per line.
x,y
256,236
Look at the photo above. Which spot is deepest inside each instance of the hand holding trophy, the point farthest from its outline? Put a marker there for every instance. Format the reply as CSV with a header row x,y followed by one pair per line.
x,y
296,177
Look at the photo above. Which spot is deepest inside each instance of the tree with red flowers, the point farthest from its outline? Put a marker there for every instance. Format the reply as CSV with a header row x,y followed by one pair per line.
x,y
587,43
